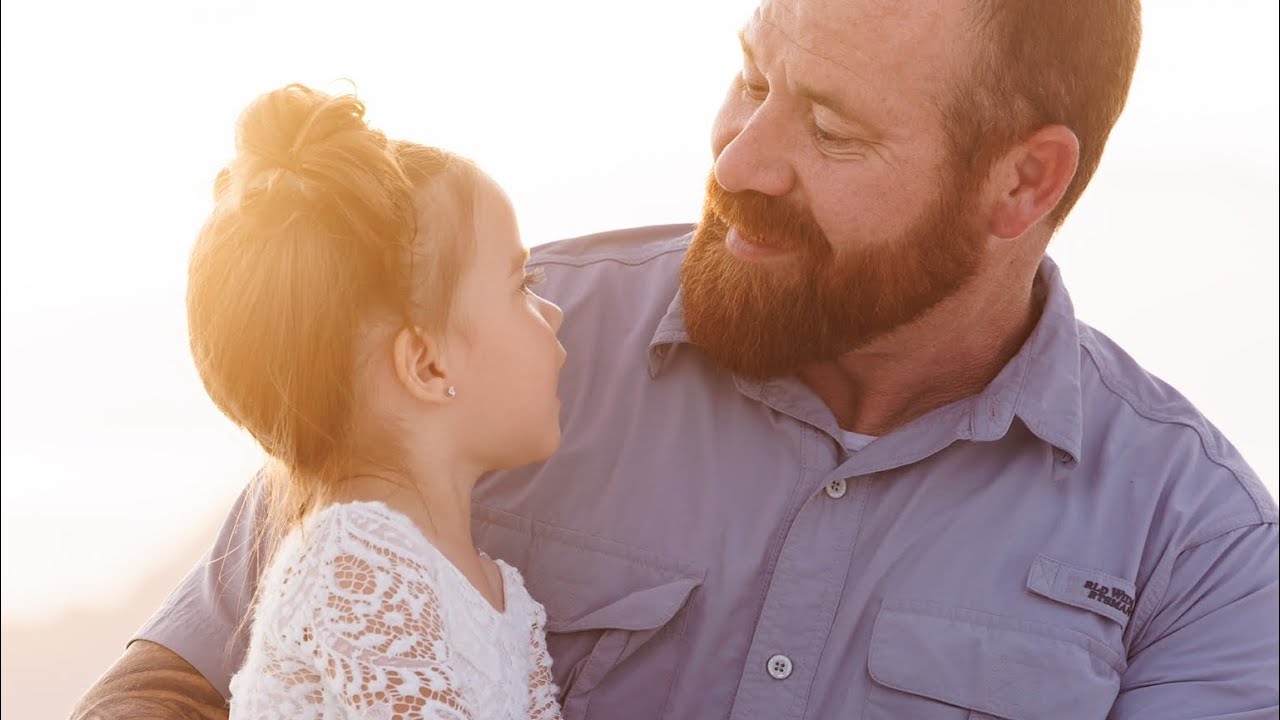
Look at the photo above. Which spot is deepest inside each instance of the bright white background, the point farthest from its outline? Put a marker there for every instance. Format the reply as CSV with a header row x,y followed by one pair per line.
x,y
593,115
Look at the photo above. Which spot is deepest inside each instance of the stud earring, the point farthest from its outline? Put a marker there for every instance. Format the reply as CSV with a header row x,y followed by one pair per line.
x,y
451,392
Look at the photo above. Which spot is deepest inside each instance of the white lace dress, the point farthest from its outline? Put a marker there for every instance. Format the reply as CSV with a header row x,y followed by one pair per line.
x,y
360,616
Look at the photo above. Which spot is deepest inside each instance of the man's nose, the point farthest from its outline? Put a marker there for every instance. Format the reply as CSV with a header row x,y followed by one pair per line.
x,y
756,157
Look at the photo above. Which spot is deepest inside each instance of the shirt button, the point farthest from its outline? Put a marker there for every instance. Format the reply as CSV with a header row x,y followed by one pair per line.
x,y
780,667
837,488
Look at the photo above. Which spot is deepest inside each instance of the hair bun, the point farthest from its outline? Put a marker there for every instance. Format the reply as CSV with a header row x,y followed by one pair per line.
x,y
291,144
273,191
287,128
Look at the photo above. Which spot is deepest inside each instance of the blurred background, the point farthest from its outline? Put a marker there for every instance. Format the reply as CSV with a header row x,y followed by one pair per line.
x,y
116,469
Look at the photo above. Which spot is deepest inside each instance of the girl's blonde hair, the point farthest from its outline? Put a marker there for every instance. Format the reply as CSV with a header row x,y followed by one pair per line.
x,y
320,224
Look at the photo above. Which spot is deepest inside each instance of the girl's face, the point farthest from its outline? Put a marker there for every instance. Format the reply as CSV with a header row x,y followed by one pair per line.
x,y
502,340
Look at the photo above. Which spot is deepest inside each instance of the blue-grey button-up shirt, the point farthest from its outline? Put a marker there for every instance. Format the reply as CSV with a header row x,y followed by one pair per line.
x,y
1075,541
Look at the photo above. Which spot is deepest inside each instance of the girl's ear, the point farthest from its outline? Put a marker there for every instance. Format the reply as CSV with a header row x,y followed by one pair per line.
x,y
420,366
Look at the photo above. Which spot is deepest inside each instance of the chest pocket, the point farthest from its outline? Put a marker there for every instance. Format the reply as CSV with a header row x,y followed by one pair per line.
x,y
932,662
615,614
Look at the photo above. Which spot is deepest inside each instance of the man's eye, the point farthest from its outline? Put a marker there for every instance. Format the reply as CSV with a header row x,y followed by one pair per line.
x,y
835,141
829,137
753,90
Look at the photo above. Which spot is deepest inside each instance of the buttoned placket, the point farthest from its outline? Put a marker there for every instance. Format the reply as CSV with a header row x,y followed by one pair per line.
x,y
815,549
809,573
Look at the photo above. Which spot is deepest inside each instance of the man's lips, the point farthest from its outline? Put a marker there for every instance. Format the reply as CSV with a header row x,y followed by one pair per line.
x,y
744,247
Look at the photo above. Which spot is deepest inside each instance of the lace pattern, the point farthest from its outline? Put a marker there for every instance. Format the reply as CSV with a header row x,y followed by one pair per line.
x,y
360,616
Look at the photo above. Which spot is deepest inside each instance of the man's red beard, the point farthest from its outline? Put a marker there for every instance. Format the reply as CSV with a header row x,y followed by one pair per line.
x,y
767,319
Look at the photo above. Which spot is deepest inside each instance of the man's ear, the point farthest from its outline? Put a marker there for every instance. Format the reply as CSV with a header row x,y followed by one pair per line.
x,y
420,365
1029,180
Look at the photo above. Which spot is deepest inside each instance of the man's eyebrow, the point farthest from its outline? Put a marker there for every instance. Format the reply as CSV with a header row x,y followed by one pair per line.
x,y
813,95
829,101
746,49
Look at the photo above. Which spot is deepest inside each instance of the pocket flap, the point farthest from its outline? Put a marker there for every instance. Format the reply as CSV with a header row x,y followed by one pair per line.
x,y
586,582
1003,666
1092,590
644,609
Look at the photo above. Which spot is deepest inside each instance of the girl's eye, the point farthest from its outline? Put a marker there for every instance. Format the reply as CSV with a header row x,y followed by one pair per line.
x,y
532,277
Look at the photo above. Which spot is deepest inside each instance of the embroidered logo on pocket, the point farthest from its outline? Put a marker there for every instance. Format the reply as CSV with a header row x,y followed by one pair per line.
x,y
1086,589
1112,597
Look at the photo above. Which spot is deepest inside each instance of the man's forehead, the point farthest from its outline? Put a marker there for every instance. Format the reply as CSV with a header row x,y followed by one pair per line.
x,y
868,35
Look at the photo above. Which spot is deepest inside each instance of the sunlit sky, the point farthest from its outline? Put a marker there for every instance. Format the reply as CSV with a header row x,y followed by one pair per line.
x,y
593,115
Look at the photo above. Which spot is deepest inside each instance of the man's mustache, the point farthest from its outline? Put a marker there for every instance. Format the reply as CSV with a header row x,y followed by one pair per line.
x,y
765,220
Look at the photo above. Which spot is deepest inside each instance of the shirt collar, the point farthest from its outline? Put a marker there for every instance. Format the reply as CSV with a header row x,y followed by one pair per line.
x,y
670,333
1046,372
1040,385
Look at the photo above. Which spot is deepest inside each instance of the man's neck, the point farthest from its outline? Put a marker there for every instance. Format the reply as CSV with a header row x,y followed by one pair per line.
x,y
950,353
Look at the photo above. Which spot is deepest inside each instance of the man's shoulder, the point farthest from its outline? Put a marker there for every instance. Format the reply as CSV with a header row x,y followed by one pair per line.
x,y
1138,415
611,281
630,246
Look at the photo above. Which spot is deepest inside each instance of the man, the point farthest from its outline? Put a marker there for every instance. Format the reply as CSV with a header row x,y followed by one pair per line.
x,y
843,450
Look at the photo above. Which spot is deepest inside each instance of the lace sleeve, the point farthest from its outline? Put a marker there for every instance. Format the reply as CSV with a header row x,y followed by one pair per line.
x,y
542,688
380,639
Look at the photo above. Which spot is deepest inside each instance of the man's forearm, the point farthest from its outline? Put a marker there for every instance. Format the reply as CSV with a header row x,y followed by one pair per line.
x,y
150,682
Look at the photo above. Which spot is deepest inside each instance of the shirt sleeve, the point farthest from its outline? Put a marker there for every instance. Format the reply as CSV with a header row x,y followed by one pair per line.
x,y
203,619
1210,649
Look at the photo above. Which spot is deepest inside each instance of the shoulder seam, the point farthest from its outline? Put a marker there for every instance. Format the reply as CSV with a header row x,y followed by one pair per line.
x,y
620,260
1123,392
1221,529
635,257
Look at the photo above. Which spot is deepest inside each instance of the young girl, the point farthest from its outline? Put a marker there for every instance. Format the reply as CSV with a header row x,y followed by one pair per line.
x,y
361,306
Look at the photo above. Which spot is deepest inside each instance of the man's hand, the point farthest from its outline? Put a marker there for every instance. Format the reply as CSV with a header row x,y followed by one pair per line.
x,y
150,682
